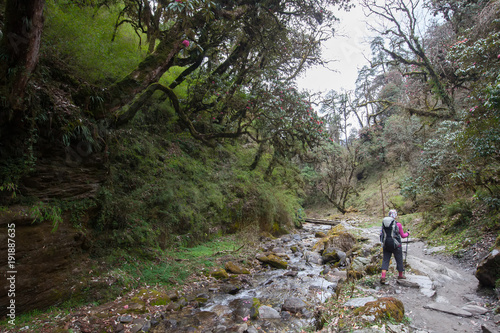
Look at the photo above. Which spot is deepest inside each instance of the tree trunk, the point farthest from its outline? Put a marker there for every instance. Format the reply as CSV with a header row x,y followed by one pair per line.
x,y
149,71
22,35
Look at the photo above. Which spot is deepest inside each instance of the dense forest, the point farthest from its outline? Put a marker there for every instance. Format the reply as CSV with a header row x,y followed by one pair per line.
x,y
145,126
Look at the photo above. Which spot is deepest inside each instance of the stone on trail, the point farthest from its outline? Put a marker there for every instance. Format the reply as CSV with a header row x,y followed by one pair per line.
x,y
423,282
447,308
437,272
475,309
358,302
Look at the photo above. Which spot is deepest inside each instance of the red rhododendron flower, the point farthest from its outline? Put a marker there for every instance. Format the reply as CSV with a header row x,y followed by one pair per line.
x,y
185,42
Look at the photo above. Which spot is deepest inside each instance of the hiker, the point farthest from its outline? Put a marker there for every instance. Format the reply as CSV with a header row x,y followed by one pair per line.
x,y
390,236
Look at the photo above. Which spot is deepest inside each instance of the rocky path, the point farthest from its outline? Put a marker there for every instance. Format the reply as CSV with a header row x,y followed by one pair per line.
x,y
440,294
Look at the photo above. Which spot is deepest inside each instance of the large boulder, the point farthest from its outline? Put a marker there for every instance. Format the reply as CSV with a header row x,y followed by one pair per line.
x,y
488,270
337,238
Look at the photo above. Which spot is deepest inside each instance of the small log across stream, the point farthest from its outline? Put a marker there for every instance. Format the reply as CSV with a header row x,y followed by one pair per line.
x,y
321,221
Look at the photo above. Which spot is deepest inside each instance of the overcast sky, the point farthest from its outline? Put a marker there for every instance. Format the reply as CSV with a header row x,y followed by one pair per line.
x,y
347,48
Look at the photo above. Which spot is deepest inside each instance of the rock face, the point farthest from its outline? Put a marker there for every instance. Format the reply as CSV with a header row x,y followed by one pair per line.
x,y
47,263
44,261
488,270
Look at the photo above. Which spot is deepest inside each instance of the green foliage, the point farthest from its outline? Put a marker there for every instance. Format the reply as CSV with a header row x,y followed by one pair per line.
x,y
81,36
42,212
169,190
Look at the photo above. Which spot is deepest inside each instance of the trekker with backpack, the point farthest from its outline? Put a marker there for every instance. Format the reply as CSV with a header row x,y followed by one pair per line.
x,y
390,237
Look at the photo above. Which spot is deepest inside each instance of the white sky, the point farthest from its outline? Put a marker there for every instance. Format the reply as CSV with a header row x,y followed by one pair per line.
x,y
347,49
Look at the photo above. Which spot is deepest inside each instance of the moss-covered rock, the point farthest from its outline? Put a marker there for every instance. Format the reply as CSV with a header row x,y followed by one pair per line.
x,y
254,310
354,275
219,273
488,270
273,260
235,269
319,234
330,255
338,238
383,308
372,269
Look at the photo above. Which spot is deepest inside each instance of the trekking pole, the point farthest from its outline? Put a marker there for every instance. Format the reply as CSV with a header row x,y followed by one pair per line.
x,y
406,252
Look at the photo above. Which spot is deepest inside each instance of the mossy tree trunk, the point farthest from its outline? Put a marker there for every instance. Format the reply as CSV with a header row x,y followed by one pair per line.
x,y
148,72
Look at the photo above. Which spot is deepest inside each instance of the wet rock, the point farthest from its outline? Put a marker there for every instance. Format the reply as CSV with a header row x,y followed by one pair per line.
x,y
230,288
447,308
235,269
313,257
488,270
241,308
267,312
293,305
291,273
279,250
202,298
383,308
219,273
